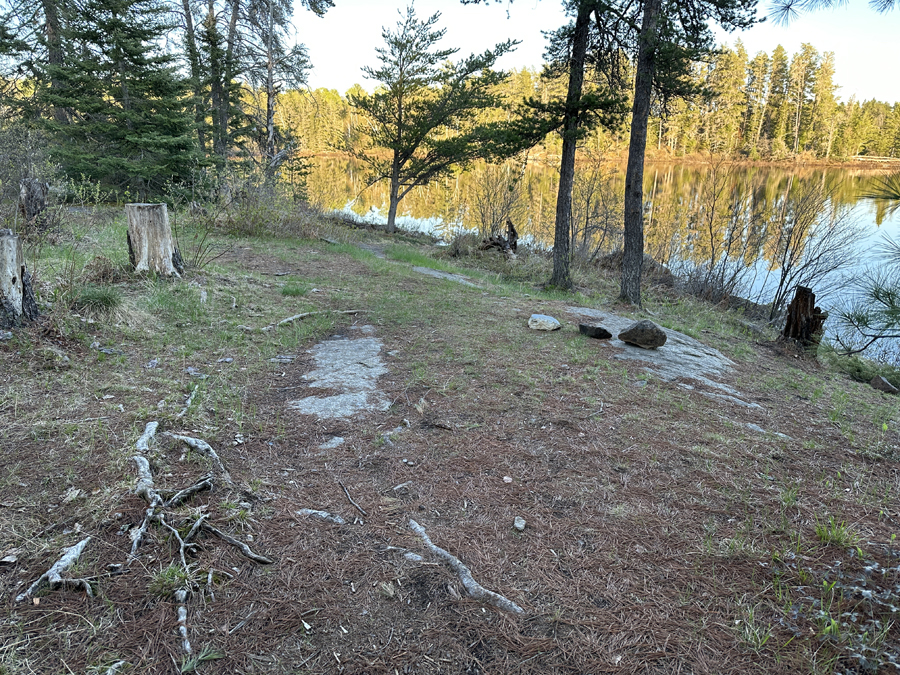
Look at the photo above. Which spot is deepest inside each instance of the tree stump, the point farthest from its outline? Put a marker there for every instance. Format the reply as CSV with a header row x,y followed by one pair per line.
x,y
33,196
150,244
805,322
16,295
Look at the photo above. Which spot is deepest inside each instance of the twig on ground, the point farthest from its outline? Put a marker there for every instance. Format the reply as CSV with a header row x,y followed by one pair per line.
x,y
206,449
53,576
297,317
246,550
143,443
473,588
181,599
358,507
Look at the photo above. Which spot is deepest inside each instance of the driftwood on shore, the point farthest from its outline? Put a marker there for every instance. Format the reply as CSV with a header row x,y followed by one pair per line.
x,y
507,245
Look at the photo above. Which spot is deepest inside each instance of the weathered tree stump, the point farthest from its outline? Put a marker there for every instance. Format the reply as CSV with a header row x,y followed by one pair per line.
x,y
805,322
16,295
150,244
32,198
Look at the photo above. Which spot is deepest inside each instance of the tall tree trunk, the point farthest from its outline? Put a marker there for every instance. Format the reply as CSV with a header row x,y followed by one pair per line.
x,y
271,93
194,65
633,256
55,55
563,235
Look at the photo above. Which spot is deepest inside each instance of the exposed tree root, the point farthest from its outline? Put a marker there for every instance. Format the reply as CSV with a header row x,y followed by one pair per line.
x,y
182,496
181,599
143,443
116,667
297,317
473,588
241,546
322,515
206,449
187,404
53,576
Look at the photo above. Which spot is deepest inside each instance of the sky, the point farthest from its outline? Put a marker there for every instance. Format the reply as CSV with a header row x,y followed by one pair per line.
x,y
865,43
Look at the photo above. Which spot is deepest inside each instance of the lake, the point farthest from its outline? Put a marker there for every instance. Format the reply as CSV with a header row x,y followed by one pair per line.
x,y
742,227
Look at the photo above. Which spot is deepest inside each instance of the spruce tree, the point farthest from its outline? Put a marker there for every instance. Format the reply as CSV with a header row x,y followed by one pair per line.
x,y
125,120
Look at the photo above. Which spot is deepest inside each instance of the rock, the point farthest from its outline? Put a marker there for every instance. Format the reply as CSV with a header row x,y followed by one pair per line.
x,y
507,479
227,359
881,384
644,334
595,331
5,335
519,523
543,322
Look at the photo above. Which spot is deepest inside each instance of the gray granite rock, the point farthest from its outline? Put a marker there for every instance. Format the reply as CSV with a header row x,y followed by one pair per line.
x,y
519,523
543,322
595,331
645,334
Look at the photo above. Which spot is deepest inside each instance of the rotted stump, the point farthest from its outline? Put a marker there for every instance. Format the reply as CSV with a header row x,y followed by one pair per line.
x,y
17,300
805,322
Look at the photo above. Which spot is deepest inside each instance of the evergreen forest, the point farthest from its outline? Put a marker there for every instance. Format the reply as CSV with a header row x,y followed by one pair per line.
x,y
143,98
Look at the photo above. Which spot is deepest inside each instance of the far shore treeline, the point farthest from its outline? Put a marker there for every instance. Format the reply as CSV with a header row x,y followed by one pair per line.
x,y
771,107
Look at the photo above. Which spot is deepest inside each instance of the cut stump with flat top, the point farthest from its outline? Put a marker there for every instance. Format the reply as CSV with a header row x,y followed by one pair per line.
x,y
150,244
16,295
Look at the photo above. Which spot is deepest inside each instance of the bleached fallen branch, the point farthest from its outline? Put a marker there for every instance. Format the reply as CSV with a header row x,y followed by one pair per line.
x,y
473,588
297,317
206,449
246,550
53,576
143,443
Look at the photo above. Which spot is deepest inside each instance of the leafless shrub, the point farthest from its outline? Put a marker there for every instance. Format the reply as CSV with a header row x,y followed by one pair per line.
x,y
597,210
809,238
497,196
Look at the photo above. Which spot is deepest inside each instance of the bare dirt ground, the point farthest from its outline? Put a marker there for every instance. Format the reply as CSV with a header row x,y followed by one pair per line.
x,y
663,534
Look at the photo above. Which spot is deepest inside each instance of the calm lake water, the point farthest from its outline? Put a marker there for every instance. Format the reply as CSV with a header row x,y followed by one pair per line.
x,y
740,216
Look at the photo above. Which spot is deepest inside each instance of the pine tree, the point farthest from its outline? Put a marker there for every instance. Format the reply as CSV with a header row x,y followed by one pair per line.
x,y
425,111
126,123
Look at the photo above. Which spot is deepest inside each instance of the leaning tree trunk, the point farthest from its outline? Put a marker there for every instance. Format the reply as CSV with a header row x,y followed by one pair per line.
x,y
150,244
16,295
805,322
633,256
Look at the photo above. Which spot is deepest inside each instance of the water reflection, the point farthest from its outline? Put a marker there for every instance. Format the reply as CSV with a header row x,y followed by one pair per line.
x,y
449,204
